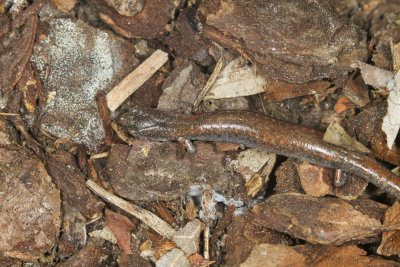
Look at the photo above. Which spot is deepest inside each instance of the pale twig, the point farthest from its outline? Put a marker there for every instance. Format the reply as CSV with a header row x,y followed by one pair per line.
x,y
206,253
151,220
99,155
9,114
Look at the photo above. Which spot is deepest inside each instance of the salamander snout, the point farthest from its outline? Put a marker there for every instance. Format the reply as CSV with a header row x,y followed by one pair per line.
x,y
141,122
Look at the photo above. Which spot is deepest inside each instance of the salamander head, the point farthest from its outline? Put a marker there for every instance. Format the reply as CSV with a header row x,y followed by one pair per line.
x,y
144,123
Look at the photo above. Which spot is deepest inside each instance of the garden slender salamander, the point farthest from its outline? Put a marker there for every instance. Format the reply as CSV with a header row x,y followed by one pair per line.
x,y
262,132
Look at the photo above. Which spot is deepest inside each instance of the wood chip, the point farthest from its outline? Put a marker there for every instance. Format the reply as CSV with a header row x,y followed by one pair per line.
x,y
135,79
316,220
390,244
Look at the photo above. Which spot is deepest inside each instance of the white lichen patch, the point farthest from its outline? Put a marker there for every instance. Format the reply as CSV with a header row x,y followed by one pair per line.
x,y
79,61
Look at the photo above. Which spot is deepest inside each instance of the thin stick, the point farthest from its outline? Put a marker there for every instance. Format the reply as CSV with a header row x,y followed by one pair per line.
x,y
206,253
9,114
218,68
99,155
135,79
151,220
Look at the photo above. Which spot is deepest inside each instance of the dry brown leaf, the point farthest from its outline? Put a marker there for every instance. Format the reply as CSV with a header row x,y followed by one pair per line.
x,y
343,103
196,260
356,90
121,227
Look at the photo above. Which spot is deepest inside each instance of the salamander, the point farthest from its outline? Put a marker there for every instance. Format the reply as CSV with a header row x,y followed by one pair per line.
x,y
258,131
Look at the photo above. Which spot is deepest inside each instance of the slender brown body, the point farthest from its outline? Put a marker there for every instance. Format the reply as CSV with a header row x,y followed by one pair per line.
x,y
255,130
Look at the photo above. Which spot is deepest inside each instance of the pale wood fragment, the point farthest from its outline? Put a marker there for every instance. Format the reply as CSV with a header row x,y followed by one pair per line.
x,y
135,79
151,220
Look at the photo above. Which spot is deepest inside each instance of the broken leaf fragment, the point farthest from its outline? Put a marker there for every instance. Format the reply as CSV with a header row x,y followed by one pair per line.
x,y
188,238
391,122
374,76
238,78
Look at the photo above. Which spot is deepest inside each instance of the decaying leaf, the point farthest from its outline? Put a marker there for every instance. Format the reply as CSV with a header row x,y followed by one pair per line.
x,y
175,257
181,88
196,260
335,134
255,166
188,237
237,79
137,175
105,234
95,60
374,76
391,122
316,220
356,90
